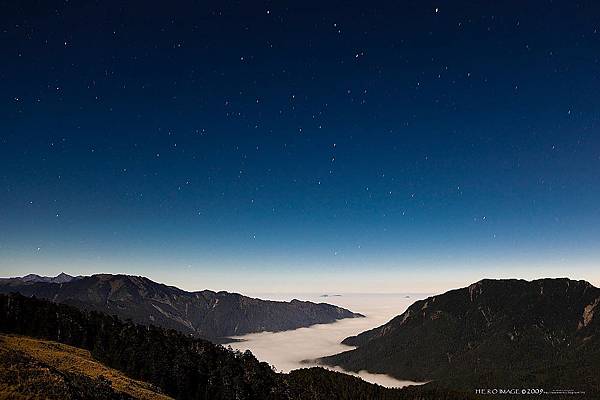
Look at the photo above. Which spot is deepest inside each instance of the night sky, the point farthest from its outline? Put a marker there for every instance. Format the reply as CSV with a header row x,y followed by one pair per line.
x,y
301,146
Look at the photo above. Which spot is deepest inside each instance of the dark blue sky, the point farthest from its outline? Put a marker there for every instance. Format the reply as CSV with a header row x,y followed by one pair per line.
x,y
364,146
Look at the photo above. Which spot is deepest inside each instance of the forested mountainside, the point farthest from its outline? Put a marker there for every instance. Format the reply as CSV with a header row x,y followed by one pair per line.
x,y
321,384
183,367
544,333
178,365
207,314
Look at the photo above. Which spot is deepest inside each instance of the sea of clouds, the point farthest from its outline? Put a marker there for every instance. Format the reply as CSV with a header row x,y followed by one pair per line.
x,y
290,349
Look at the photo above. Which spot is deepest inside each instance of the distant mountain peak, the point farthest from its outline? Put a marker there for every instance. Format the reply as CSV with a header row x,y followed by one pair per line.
x,y
31,278
62,278
35,278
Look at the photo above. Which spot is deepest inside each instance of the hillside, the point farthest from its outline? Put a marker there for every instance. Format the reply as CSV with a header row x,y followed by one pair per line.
x,y
41,369
544,333
181,366
206,314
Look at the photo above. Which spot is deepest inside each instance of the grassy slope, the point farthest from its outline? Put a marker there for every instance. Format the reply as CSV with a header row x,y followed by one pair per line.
x,y
49,365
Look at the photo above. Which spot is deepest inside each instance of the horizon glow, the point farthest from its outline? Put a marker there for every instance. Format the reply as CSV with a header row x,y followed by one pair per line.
x,y
390,148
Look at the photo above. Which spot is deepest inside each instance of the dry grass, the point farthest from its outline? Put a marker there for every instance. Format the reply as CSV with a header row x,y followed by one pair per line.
x,y
77,361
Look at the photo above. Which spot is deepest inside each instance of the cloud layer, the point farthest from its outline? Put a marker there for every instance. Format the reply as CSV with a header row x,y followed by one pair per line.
x,y
287,350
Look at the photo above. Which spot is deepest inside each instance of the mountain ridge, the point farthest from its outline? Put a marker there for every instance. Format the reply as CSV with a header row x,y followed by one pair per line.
x,y
205,313
510,331
34,278
194,368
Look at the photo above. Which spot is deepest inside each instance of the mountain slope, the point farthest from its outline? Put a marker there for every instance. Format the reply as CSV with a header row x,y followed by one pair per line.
x,y
205,313
509,332
40,369
183,367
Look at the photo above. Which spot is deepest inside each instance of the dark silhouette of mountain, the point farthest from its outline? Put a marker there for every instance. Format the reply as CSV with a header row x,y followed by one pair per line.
x,y
166,360
544,333
207,314
320,384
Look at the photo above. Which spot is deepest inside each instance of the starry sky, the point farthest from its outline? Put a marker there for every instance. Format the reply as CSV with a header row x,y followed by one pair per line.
x,y
301,146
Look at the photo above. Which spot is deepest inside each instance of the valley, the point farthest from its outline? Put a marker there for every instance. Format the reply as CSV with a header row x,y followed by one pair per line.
x,y
300,348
